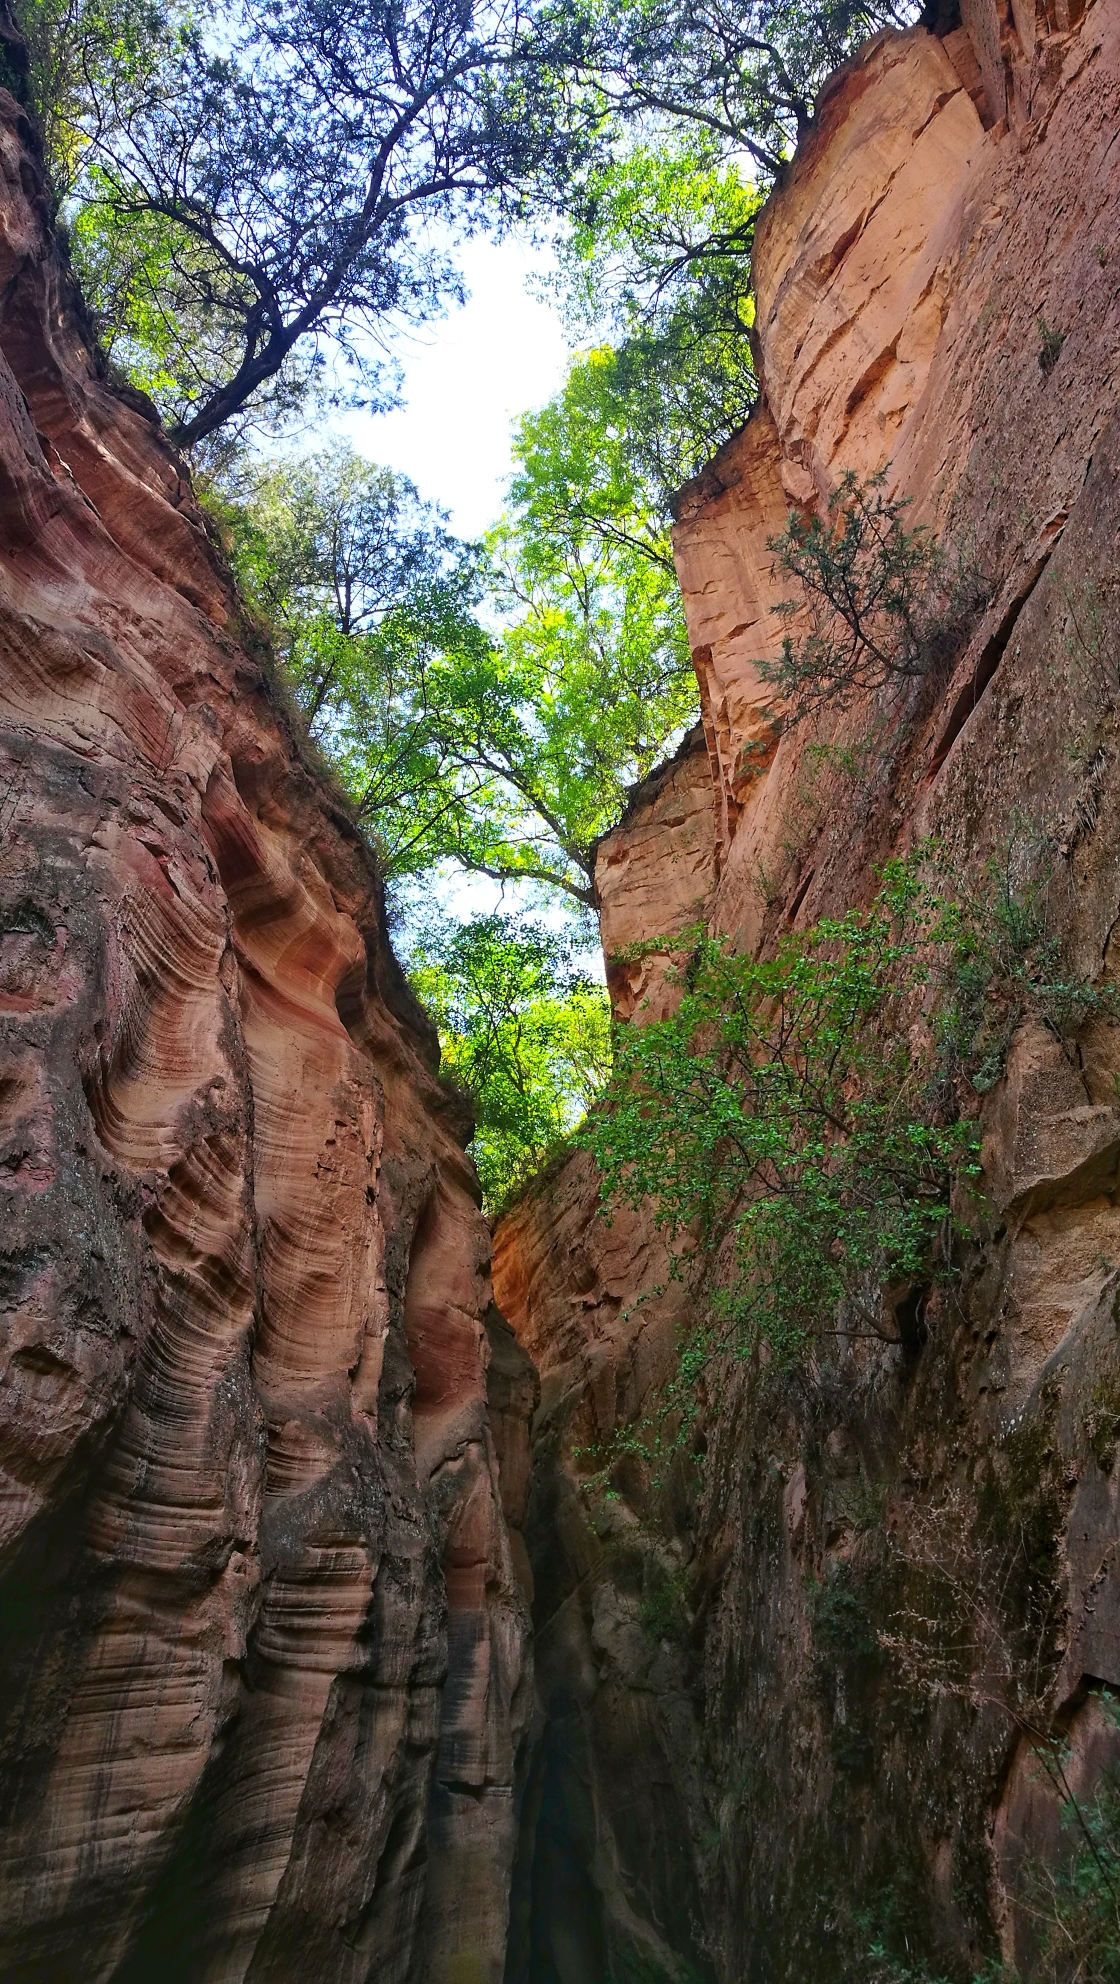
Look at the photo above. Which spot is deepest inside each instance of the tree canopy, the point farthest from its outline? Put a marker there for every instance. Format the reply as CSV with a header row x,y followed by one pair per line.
x,y
744,72
507,748
656,266
277,180
523,1030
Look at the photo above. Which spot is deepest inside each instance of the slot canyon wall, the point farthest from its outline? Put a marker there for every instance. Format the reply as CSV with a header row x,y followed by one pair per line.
x,y
273,1707
263,1436
729,1780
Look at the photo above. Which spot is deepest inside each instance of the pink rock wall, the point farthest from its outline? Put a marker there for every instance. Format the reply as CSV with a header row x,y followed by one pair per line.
x,y
654,876
265,1644
903,275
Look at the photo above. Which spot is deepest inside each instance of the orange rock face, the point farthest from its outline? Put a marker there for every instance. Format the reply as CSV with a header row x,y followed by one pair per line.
x,y
938,286
905,276
654,877
265,1639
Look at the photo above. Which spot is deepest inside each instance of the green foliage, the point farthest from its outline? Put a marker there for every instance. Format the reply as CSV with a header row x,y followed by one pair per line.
x,y
814,1113
334,537
1073,1906
847,1662
523,1031
592,675
839,1619
782,1105
700,111
1049,345
744,74
876,602
658,260
284,165
250,188
143,276
507,753
86,50
371,604
582,490
664,1606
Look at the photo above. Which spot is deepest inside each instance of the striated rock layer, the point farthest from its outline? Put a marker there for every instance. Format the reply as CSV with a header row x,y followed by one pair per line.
x,y
265,1656
734,1777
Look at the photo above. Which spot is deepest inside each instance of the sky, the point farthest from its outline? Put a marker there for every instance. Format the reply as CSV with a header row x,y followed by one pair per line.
x,y
468,377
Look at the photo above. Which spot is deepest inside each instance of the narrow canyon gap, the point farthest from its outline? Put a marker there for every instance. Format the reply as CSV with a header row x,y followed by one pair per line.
x,y
319,1662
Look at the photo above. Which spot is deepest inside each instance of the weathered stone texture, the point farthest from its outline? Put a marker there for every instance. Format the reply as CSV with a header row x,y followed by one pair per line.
x,y
654,877
954,205
606,1881
264,1641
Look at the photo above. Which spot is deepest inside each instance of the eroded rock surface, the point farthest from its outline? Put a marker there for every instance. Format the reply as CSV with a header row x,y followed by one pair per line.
x,y
938,290
264,1635
654,877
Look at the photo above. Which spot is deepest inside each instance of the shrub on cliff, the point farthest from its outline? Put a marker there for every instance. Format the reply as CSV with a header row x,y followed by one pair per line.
x,y
808,1122
876,603
1070,1906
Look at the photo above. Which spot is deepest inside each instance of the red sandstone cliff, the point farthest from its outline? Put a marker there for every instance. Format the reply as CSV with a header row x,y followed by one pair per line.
x,y
266,1684
726,1778
265,1650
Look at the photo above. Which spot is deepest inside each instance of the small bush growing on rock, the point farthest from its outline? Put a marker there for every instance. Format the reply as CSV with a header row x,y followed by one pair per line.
x,y
1050,346
1073,1906
808,1122
876,602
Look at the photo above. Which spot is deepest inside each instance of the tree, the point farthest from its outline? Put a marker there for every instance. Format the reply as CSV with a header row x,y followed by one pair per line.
x,y
588,684
79,50
658,261
370,600
744,73
704,102
282,181
785,1107
583,488
334,536
523,1031
506,751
